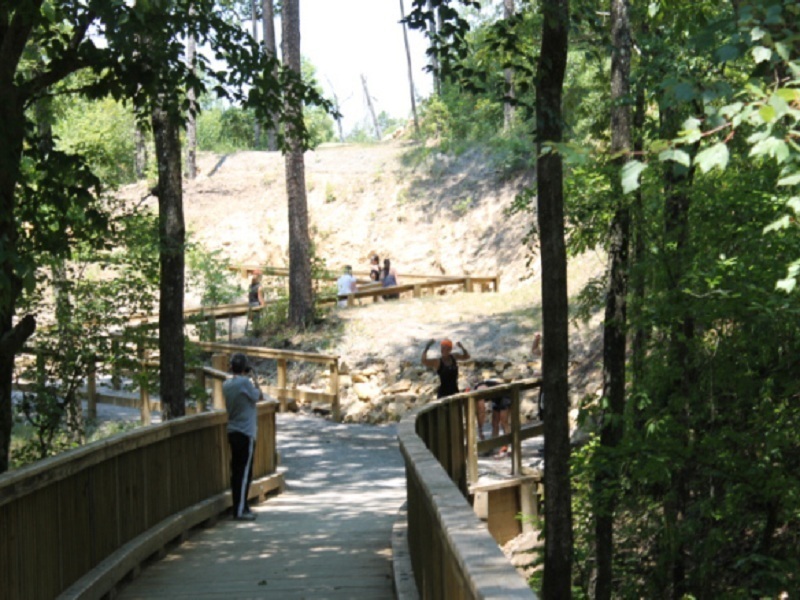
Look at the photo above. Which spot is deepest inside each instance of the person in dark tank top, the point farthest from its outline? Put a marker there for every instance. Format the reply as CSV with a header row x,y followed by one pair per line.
x,y
446,367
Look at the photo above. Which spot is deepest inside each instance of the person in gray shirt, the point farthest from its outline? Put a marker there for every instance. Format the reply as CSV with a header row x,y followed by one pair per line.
x,y
241,395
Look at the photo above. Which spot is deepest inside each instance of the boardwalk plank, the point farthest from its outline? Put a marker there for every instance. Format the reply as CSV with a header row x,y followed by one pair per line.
x,y
327,536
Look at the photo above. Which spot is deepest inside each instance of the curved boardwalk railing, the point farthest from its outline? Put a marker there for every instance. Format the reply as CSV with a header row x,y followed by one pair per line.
x,y
78,523
452,553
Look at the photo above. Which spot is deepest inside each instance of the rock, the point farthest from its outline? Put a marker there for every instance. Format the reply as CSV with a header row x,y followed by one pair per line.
x,y
399,387
365,391
359,377
356,412
395,410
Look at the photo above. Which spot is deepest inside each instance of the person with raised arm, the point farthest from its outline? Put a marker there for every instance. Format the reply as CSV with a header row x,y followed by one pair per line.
x,y
446,367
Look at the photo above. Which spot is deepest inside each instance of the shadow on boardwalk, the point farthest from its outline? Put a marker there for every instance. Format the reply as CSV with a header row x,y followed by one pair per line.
x,y
327,536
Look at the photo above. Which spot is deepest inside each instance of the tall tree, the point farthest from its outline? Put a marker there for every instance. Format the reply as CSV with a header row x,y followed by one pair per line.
x,y
59,30
172,238
615,323
432,34
557,581
301,302
271,50
254,6
508,107
410,70
191,117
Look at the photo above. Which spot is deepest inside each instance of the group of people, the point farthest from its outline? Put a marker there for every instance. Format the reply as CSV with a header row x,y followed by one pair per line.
x,y
387,276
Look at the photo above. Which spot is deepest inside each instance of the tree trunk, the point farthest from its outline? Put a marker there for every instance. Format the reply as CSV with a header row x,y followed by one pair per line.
x,y
271,49
338,112
640,335
437,82
371,108
254,29
556,584
191,119
508,106
12,337
172,235
677,183
615,326
301,303
410,70
140,153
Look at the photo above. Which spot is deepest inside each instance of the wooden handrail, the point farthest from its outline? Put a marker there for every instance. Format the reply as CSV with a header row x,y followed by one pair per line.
x,y
62,517
452,552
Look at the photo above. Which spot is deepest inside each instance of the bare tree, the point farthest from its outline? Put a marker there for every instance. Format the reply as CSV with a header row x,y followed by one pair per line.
x,y
336,107
371,108
410,70
301,305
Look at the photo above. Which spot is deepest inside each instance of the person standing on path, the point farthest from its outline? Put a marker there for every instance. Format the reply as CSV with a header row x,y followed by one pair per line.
x,y
241,395
446,367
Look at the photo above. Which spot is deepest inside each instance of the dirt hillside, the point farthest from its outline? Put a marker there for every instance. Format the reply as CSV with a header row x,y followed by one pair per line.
x,y
442,216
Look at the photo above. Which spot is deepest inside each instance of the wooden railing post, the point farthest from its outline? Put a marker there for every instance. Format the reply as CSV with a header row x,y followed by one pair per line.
x,y
144,392
516,438
219,362
333,388
417,291
472,442
282,379
91,389
468,285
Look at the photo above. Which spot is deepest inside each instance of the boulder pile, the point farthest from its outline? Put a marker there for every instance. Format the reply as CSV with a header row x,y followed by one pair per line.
x,y
382,391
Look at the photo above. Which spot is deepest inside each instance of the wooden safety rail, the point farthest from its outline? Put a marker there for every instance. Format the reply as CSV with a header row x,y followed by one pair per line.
x,y
452,553
76,524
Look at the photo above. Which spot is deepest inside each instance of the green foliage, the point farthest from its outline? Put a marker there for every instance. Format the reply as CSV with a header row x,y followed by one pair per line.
x,y
705,507
90,297
225,130
209,275
102,131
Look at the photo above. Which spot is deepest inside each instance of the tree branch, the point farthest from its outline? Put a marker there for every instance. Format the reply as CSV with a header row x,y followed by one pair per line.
x,y
14,339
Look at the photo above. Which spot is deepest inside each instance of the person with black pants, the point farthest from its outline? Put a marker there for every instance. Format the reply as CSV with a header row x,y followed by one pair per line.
x,y
241,395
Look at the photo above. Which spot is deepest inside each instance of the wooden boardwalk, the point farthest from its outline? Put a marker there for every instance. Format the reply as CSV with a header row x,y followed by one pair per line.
x,y
327,536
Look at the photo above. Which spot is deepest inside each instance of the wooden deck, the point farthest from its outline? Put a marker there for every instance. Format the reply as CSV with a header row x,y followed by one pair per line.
x,y
327,536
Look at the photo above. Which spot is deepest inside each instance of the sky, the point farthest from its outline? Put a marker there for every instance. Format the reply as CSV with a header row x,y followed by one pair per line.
x,y
344,39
